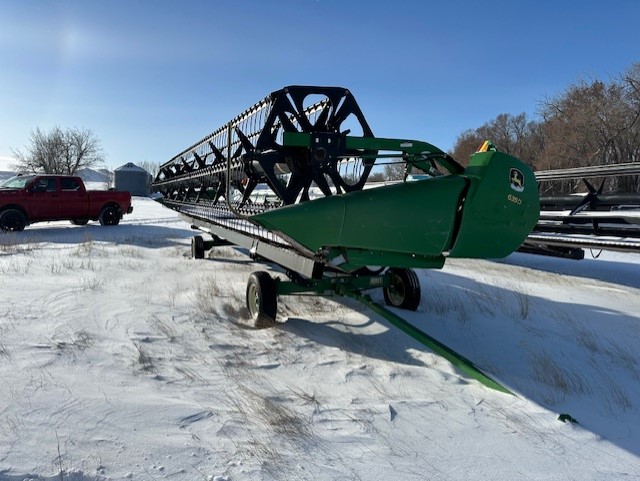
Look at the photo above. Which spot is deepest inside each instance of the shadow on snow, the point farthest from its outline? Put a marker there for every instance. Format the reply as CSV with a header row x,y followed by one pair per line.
x,y
569,358
615,272
142,235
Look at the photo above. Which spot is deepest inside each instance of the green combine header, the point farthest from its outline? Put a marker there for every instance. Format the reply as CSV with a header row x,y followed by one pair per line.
x,y
287,180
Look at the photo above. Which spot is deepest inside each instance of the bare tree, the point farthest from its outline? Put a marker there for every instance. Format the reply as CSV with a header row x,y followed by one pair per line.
x,y
514,135
631,81
60,151
594,123
466,144
395,170
376,177
591,123
152,167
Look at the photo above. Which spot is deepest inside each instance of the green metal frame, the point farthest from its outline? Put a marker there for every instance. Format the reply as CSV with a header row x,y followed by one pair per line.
x,y
414,152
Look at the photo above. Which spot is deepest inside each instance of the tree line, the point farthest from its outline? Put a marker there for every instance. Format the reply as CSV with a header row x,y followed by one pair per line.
x,y
591,123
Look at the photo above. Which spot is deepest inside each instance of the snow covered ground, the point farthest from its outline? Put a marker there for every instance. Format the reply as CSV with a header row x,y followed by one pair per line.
x,y
122,358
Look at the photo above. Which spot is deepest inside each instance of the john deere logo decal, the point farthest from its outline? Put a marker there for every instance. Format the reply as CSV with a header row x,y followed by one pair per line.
x,y
517,180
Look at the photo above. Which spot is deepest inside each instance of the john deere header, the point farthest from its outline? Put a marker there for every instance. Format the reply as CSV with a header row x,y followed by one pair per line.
x,y
292,171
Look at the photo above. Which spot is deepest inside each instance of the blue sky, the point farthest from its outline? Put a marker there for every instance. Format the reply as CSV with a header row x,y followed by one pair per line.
x,y
152,77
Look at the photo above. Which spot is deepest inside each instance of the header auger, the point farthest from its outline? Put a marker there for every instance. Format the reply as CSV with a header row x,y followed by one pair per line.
x,y
286,180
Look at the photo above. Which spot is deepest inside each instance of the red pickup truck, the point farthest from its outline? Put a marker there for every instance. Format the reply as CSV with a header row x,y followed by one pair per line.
x,y
30,198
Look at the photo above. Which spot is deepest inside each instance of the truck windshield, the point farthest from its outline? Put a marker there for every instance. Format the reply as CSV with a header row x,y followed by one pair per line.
x,y
17,182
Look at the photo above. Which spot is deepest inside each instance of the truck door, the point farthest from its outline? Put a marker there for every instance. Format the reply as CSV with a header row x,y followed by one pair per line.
x,y
43,199
74,199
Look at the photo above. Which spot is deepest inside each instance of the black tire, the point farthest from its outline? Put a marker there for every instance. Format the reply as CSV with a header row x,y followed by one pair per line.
x,y
109,215
197,247
79,221
404,290
12,220
262,299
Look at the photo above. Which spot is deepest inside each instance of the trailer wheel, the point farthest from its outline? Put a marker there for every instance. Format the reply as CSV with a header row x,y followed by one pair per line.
x,y
12,220
262,299
404,290
109,215
197,247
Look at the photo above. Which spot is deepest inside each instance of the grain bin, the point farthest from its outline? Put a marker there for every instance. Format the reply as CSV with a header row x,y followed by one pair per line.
x,y
134,179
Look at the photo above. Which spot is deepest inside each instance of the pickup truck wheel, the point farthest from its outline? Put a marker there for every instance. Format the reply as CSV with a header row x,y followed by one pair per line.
x,y
109,216
79,221
12,220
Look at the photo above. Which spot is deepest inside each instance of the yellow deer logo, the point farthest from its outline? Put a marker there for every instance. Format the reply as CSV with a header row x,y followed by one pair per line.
x,y
517,180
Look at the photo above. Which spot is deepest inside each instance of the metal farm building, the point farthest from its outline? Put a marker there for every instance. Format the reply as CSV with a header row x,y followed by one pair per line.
x,y
134,179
